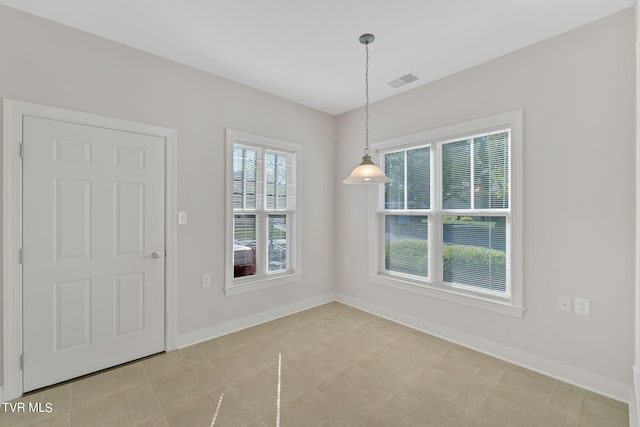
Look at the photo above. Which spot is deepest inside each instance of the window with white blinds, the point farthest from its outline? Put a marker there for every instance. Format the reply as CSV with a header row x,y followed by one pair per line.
x,y
407,201
475,191
449,220
261,174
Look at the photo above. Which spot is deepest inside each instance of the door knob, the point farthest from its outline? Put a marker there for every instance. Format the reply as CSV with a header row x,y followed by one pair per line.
x,y
154,255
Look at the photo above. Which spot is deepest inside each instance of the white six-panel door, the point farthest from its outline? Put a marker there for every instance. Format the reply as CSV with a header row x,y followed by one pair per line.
x,y
93,240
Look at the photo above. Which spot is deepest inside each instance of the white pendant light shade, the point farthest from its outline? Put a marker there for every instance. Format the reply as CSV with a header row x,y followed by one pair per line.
x,y
366,173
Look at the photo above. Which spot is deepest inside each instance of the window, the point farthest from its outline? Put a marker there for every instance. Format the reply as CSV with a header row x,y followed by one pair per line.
x,y
448,224
262,216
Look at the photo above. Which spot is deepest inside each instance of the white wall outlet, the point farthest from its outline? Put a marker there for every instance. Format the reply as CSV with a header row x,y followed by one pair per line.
x,y
583,306
564,304
206,280
347,261
182,217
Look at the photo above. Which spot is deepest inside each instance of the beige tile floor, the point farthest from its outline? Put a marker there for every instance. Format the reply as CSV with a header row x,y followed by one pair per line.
x,y
340,367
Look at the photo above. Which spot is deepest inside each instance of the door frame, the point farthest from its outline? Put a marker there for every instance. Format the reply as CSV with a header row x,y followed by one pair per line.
x,y
13,112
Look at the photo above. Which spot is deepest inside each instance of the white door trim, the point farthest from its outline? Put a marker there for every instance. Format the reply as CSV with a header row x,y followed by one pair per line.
x,y
13,112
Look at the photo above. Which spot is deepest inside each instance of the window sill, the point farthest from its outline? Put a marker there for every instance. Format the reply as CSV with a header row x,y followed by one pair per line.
x,y
261,282
497,306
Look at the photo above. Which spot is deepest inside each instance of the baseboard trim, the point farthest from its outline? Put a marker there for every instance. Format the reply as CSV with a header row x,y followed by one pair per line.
x,y
235,325
580,378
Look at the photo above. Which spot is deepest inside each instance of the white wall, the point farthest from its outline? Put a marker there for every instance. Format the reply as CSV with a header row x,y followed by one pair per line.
x,y
48,63
577,92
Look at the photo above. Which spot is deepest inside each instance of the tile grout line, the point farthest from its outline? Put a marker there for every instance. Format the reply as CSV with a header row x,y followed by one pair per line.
x,y
126,396
155,394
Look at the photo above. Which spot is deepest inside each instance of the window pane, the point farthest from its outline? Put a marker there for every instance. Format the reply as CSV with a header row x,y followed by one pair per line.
x,y
394,189
281,182
456,175
474,252
419,178
491,171
244,178
406,243
277,243
270,190
244,245
276,180
238,163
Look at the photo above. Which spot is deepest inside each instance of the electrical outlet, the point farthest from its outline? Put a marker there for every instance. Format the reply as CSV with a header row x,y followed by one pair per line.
x,y
564,304
206,280
583,306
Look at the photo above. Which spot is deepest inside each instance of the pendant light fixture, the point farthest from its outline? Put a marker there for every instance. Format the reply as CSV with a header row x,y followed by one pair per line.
x,y
366,172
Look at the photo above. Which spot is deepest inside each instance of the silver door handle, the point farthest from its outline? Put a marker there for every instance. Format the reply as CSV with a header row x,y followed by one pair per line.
x,y
154,255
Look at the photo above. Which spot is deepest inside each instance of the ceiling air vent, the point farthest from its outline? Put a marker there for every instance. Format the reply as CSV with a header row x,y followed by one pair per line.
x,y
401,81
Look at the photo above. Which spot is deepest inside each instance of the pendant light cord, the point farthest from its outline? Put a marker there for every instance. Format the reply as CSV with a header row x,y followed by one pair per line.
x,y
366,108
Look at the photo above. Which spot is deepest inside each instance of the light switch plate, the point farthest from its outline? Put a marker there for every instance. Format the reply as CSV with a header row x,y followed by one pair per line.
x,y
182,217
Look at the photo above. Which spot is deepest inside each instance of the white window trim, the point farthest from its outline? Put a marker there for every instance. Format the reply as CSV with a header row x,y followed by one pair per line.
x,y
253,283
512,306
